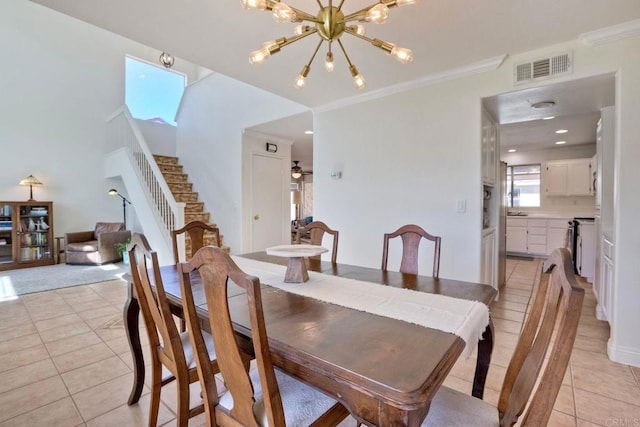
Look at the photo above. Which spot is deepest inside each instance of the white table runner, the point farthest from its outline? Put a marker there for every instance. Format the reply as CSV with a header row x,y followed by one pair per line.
x,y
467,319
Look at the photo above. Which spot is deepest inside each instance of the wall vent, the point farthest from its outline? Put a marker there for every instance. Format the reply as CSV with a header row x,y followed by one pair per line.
x,y
543,68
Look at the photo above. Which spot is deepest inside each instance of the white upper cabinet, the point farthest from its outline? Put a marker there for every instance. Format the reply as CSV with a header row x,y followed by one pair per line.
x,y
556,178
568,178
489,149
579,182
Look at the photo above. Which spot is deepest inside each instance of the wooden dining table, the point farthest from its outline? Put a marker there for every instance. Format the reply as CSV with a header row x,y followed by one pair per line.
x,y
385,371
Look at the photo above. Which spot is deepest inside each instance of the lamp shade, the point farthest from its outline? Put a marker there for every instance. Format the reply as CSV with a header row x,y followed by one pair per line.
x,y
30,181
295,197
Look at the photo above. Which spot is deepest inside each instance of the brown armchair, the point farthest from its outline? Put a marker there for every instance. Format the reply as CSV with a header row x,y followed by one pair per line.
x,y
96,246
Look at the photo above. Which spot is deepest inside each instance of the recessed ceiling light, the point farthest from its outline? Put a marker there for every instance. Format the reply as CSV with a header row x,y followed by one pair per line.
x,y
513,150
549,118
560,142
562,131
308,132
542,105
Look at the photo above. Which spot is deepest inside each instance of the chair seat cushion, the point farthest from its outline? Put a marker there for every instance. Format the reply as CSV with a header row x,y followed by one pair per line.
x,y
89,246
452,408
188,349
302,404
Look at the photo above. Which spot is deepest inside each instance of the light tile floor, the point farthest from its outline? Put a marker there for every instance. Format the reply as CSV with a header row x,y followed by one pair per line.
x,y
64,361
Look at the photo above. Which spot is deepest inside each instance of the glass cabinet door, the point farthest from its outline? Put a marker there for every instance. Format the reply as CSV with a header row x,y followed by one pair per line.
x,y
6,233
34,233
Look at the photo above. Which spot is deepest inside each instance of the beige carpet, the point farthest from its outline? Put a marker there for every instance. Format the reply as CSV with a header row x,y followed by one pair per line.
x,y
38,279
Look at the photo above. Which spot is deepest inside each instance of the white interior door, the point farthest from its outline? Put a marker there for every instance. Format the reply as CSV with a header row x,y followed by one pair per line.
x,y
267,202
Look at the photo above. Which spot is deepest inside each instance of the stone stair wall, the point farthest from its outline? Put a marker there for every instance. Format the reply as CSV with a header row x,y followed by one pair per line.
x,y
182,191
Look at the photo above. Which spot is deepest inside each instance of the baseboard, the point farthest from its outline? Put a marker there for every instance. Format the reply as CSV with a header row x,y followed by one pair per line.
x,y
622,354
600,314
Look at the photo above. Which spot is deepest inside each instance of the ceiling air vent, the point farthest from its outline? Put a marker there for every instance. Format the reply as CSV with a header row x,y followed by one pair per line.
x,y
543,68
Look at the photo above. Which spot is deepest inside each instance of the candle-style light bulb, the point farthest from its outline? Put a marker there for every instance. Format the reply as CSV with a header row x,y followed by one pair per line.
x,y
259,56
301,79
378,14
283,13
328,63
254,4
402,55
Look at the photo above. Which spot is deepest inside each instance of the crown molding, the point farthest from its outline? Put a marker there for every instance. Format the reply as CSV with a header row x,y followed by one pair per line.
x,y
610,34
490,64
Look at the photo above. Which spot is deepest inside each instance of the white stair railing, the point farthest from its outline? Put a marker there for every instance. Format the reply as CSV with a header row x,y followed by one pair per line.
x,y
123,132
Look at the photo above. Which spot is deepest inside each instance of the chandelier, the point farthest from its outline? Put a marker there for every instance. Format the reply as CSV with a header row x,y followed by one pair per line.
x,y
330,24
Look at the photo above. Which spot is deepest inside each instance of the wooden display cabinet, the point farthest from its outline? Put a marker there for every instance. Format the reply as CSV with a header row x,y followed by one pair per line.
x,y
26,234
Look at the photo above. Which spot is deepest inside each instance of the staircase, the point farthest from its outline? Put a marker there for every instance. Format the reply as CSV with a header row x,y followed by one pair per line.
x,y
182,191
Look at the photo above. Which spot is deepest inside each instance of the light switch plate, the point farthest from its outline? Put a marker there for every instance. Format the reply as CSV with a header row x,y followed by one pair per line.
x,y
461,206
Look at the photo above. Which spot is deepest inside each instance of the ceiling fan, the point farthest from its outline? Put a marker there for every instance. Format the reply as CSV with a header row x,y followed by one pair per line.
x,y
297,172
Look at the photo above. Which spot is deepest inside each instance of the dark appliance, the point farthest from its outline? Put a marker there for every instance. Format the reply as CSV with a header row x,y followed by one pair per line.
x,y
574,232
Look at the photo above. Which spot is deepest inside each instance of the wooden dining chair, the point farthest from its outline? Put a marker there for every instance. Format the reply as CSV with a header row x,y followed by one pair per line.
x,y
169,348
549,333
259,397
197,233
317,229
411,236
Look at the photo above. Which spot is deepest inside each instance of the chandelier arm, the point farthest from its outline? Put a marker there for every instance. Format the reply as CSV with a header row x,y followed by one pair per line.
x,y
345,53
386,46
359,15
304,16
340,5
315,52
294,39
320,4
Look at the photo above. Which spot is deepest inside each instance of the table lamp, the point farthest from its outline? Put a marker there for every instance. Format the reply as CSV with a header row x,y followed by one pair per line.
x,y
30,181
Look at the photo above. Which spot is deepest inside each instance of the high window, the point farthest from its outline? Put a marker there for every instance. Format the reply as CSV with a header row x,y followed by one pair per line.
x,y
151,92
523,186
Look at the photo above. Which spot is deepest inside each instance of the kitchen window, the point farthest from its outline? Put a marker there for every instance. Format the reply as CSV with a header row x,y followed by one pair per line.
x,y
523,186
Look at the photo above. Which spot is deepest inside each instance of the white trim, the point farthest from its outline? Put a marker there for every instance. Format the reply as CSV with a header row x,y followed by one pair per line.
x,y
490,64
610,34
623,354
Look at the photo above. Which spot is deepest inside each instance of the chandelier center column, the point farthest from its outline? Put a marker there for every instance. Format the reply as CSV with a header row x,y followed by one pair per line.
x,y
332,25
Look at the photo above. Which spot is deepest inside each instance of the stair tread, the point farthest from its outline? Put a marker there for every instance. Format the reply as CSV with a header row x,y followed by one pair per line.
x,y
182,191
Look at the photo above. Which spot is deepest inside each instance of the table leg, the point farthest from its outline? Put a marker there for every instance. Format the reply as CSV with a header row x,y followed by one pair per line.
x,y
131,315
485,348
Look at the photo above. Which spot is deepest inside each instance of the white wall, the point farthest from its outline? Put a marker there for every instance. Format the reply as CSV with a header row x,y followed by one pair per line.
x,y
572,206
160,137
408,157
61,79
405,158
212,116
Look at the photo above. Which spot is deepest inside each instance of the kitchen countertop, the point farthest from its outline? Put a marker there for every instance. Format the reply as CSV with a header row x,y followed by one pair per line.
x,y
544,216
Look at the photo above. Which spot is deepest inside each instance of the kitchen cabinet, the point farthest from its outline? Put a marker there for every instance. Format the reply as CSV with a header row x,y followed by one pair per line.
x,y
604,290
489,140
555,178
570,177
579,178
536,236
489,258
557,230
517,235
